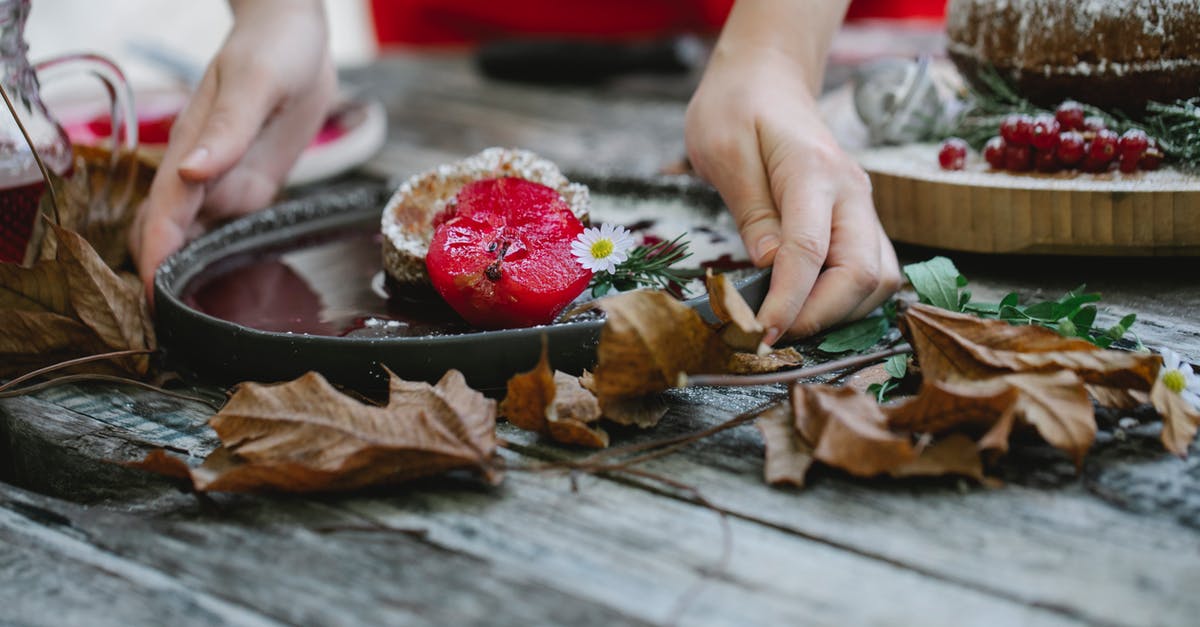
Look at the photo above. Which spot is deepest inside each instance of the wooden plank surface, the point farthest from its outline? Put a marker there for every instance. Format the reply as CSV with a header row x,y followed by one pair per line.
x,y
1117,544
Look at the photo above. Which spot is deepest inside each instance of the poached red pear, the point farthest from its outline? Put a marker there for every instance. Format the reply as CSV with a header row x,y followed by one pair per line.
x,y
501,254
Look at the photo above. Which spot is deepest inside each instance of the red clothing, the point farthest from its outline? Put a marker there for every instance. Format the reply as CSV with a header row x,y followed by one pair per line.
x,y
436,22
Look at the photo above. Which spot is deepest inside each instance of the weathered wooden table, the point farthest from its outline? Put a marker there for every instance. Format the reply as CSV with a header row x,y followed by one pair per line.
x,y
86,542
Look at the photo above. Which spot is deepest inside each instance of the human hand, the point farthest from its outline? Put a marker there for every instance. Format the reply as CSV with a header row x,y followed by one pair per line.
x,y
261,100
801,204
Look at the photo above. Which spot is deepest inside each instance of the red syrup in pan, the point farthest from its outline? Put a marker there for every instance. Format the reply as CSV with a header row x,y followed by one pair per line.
x,y
332,286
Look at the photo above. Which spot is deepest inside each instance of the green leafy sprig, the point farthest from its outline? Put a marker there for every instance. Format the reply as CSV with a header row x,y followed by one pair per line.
x,y
938,282
648,266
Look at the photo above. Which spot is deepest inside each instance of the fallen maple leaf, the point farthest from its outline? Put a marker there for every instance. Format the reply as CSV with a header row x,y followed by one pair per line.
x,y
70,306
305,436
951,345
848,430
554,404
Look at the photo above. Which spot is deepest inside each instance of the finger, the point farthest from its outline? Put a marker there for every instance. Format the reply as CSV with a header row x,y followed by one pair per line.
x,y
253,182
806,225
243,101
739,176
889,279
852,272
171,204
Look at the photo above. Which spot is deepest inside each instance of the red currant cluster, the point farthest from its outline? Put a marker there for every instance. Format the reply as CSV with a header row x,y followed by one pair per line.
x,y
1063,141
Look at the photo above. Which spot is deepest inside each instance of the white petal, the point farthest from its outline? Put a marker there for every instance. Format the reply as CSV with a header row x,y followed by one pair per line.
x,y
1191,397
1170,359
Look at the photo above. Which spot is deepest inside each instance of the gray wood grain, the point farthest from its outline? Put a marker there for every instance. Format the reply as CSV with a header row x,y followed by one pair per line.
x,y
1118,544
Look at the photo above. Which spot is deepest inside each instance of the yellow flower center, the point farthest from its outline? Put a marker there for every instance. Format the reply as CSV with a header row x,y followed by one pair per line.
x,y
1175,381
602,248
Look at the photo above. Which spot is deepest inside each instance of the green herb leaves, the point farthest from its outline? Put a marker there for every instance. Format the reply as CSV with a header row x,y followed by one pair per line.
x,y
938,283
648,266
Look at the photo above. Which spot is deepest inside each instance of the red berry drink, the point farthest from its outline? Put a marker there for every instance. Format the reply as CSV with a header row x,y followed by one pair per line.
x,y
18,216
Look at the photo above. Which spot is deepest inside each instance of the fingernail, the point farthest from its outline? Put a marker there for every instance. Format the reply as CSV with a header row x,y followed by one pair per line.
x,y
770,336
195,159
765,245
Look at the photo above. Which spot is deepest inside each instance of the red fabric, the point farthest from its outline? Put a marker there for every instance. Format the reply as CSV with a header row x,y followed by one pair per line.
x,y
440,22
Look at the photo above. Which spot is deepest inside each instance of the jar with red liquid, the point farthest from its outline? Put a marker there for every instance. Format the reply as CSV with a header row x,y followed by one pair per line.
x,y
23,192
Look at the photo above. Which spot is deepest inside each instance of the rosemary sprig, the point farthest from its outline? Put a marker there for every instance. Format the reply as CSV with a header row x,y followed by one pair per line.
x,y
648,266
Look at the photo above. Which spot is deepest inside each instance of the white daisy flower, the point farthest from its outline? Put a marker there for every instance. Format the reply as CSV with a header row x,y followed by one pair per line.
x,y
1177,376
602,249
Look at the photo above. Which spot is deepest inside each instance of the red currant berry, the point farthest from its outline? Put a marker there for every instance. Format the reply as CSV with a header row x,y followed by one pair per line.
x,y
1133,142
1094,123
1018,158
1128,162
993,152
1017,129
953,155
1104,146
1071,148
1070,115
1044,133
1046,161
1151,159
1095,166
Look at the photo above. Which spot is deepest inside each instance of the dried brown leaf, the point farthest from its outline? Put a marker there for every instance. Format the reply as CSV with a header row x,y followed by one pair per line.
x,y
848,430
305,436
740,330
554,404
1055,404
648,342
788,455
1117,398
951,345
639,411
955,454
1180,419
71,306
779,359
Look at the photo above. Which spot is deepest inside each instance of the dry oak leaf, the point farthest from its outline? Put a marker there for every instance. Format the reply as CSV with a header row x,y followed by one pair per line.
x,y
70,306
1180,419
1055,404
306,436
951,345
740,330
554,404
848,430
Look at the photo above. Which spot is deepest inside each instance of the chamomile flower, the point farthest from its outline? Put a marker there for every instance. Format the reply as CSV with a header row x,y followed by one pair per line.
x,y
602,249
1177,376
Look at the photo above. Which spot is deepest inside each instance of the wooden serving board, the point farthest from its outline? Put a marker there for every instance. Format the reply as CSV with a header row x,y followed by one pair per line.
x,y
982,210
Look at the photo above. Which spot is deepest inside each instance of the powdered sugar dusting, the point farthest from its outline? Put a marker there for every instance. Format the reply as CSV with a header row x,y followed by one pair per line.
x,y
920,161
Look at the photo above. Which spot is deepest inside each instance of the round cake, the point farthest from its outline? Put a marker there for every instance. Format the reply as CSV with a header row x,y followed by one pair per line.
x,y
1114,54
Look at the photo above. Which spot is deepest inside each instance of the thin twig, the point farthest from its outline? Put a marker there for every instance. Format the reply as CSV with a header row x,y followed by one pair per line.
x,y
788,376
104,378
75,362
36,157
